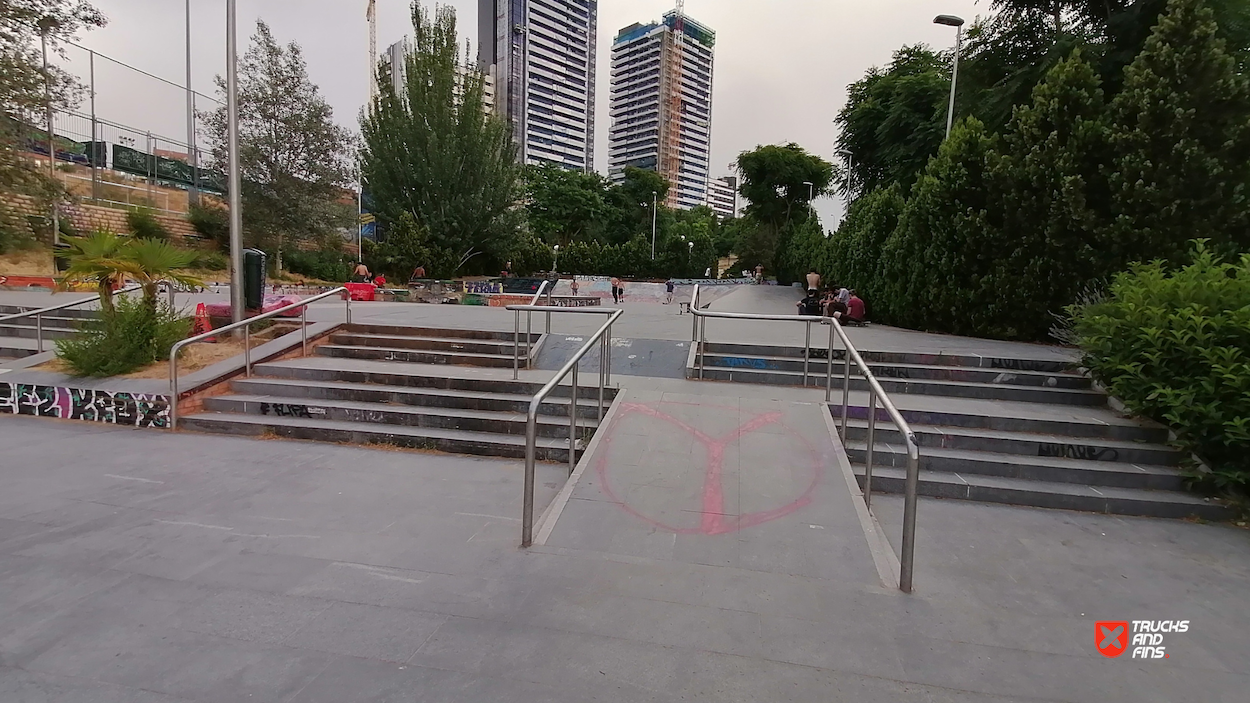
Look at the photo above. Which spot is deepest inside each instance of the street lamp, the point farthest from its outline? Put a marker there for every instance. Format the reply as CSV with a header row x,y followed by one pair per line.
x,y
193,195
958,24
654,205
554,258
46,25
235,182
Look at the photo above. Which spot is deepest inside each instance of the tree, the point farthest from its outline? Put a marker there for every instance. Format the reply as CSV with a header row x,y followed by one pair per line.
x,y
1181,136
295,161
779,183
853,259
629,205
563,205
893,121
1054,196
432,150
152,262
22,90
97,259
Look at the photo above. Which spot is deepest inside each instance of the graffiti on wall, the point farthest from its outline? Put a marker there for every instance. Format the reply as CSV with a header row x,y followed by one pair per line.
x,y
110,407
483,287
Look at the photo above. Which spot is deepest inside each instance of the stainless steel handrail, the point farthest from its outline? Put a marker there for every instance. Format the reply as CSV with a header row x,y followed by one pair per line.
x,y
528,326
875,391
602,336
247,339
73,303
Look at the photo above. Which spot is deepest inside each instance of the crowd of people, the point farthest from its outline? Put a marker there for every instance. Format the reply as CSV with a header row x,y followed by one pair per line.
x,y
842,304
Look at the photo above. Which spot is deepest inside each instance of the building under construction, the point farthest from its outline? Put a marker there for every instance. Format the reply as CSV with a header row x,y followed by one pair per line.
x,y
661,104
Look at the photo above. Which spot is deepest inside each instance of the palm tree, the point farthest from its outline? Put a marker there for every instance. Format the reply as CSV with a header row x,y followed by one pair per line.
x,y
152,262
98,258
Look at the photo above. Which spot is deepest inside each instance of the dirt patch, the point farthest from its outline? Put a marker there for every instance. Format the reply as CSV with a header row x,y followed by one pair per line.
x,y
193,358
27,262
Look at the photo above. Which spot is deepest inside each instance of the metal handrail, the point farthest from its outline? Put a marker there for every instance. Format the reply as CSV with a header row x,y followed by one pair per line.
x,y
73,303
247,339
875,391
528,325
603,337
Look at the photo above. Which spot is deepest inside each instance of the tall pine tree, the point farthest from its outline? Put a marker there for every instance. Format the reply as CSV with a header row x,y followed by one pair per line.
x,y
1181,133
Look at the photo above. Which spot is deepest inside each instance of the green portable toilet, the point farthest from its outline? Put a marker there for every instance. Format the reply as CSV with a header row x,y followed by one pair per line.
x,y
253,279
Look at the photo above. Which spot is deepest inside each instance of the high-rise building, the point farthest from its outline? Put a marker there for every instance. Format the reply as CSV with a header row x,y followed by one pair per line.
x,y
542,55
394,58
722,196
661,105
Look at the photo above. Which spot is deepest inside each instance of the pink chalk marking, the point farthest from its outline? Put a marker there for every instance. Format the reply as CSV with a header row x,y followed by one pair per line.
x,y
714,520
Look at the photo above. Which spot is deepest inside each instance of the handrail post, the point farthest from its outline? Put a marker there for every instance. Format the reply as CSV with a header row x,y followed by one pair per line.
x,y
846,378
348,296
247,349
702,349
527,496
548,328
39,332
694,322
173,387
909,518
829,366
303,327
607,339
573,424
872,426
516,344
807,349
603,349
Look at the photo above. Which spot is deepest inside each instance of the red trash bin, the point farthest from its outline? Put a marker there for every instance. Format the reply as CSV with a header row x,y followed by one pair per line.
x,y
361,291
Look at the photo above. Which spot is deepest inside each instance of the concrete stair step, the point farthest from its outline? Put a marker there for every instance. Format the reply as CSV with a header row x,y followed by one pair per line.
x,y
1043,494
445,344
418,357
510,423
1021,443
904,371
75,314
436,332
402,375
1025,468
22,331
432,438
1023,364
1067,421
955,389
426,397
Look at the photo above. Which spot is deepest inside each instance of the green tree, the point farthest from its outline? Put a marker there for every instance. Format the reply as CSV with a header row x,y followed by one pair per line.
x,y
893,121
1054,196
779,183
152,262
22,93
629,205
97,259
854,252
563,205
294,160
434,152
1181,135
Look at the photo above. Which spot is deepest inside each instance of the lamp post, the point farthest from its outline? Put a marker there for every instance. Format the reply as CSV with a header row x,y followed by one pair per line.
x,y
654,204
554,258
811,194
958,24
232,144
46,25
193,193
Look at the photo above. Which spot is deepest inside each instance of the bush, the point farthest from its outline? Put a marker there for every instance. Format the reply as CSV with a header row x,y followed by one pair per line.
x,y
211,261
1175,346
134,336
144,225
333,266
212,223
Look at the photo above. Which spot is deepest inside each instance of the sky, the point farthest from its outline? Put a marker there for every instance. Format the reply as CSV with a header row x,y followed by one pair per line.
x,y
782,67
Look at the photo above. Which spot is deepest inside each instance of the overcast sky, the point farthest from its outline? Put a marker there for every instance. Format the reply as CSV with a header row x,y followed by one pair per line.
x,y
781,67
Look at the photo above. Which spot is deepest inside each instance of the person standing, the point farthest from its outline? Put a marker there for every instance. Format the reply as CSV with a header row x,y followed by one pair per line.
x,y
759,273
813,280
668,289
574,286
616,290
361,274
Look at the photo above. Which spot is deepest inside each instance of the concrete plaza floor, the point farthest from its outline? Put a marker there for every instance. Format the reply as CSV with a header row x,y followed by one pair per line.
x,y
140,565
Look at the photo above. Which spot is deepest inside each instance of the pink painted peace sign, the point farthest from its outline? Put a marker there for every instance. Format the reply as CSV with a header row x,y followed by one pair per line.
x,y
714,520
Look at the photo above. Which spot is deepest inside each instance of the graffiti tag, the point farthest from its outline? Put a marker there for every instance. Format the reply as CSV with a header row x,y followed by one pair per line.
x,y
89,405
1077,451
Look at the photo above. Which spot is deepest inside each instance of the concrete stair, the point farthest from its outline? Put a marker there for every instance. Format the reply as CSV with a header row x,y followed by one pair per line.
x,y
1093,466
17,337
351,396
1026,380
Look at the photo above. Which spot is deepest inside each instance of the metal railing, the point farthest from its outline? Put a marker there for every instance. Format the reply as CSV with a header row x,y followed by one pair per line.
x,y
516,362
875,392
63,306
247,341
602,337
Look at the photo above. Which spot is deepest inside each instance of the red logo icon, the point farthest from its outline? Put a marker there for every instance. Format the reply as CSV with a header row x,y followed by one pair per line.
x,y
1111,637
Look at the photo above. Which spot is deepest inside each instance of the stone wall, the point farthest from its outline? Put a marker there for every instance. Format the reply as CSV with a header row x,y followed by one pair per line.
x,y
87,218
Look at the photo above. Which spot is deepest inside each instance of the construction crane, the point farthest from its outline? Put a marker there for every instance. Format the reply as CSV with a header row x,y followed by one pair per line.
x,y
371,14
670,161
